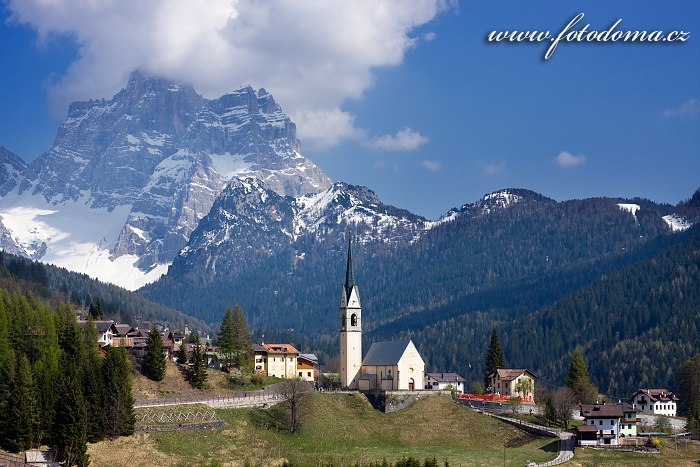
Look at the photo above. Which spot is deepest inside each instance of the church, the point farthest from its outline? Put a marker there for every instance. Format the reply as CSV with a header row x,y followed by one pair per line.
x,y
388,366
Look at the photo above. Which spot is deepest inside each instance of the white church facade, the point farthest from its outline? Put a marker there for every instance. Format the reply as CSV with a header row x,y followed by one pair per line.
x,y
389,366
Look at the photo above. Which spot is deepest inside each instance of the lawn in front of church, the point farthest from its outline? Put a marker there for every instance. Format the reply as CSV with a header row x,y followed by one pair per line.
x,y
339,430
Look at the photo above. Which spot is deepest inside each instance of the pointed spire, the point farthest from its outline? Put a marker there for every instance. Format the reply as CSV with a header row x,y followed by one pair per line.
x,y
349,272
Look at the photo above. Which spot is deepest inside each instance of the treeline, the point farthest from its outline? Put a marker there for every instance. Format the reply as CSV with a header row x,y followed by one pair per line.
x,y
56,387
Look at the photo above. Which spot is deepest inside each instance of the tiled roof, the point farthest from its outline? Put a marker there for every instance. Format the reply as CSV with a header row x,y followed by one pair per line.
x,y
510,375
101,326
657,395
281,348
587,428
446,377
601,411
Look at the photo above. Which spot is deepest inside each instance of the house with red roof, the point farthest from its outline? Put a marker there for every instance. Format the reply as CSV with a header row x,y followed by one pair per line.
x,y
655,401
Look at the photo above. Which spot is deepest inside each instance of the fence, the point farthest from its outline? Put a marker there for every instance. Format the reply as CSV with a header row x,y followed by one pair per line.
x,y
566,448
492,398
178,417
237,400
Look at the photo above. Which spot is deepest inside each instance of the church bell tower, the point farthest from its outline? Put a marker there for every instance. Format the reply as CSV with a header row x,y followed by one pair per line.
x,y
350,329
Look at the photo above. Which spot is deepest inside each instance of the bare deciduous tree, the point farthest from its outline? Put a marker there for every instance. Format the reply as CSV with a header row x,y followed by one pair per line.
x,y
296,396
563,401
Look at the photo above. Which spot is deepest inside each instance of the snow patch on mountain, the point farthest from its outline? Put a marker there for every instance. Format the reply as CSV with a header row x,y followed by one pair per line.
x,y
74,236
358,209
499,200
677,223
631,208
230,165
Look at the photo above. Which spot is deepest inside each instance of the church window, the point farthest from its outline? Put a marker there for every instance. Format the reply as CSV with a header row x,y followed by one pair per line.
x,y
353,320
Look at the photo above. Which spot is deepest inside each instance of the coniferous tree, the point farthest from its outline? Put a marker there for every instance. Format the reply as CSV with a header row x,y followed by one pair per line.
x,y
7,379
46,368
494,357
578,381
153,365
23,411
689,393
182,354
243,344
69,434
227,339
96,309
578,370
198,367
7,363
69,438
92,384
119,401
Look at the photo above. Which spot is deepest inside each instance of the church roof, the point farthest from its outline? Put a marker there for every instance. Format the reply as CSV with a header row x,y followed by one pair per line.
x,y
349,272
386,353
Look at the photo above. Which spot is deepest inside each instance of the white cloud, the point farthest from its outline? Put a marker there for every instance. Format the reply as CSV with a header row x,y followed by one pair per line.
x,y
690,108
404,140
325,128
566,159
312,56
433,166
493,168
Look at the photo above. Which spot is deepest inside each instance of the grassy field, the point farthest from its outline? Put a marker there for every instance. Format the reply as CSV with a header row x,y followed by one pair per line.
x,y
340,429
671,455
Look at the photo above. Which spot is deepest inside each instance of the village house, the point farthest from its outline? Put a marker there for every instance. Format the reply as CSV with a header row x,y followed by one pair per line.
x,y
260,358
510,383
628,424
281,360
392,365
655,401
106,330
441,381
307,367
601,425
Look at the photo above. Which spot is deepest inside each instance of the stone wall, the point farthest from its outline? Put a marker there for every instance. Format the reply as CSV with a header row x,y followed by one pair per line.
x,y
391,401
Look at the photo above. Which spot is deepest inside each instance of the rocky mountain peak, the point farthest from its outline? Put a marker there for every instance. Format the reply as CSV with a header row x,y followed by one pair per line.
x,y
11,169
149,164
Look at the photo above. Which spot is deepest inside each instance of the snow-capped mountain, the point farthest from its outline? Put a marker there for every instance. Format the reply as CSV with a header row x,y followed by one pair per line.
x,y
250,222
128,179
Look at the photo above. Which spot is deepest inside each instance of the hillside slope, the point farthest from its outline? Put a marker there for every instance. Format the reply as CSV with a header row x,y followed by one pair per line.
x,y
636,325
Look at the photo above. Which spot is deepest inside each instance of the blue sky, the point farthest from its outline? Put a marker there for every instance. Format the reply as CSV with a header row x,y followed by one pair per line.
x,y
429,114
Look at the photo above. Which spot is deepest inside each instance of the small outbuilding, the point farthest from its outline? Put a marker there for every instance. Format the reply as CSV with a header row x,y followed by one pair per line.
x,y
441,381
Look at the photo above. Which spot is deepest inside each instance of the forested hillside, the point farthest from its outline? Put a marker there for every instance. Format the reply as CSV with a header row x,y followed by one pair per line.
x,y
56,387
54,285
484,247
636,325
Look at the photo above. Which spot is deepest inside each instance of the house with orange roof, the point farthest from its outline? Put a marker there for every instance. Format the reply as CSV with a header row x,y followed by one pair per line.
x,y
281,360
